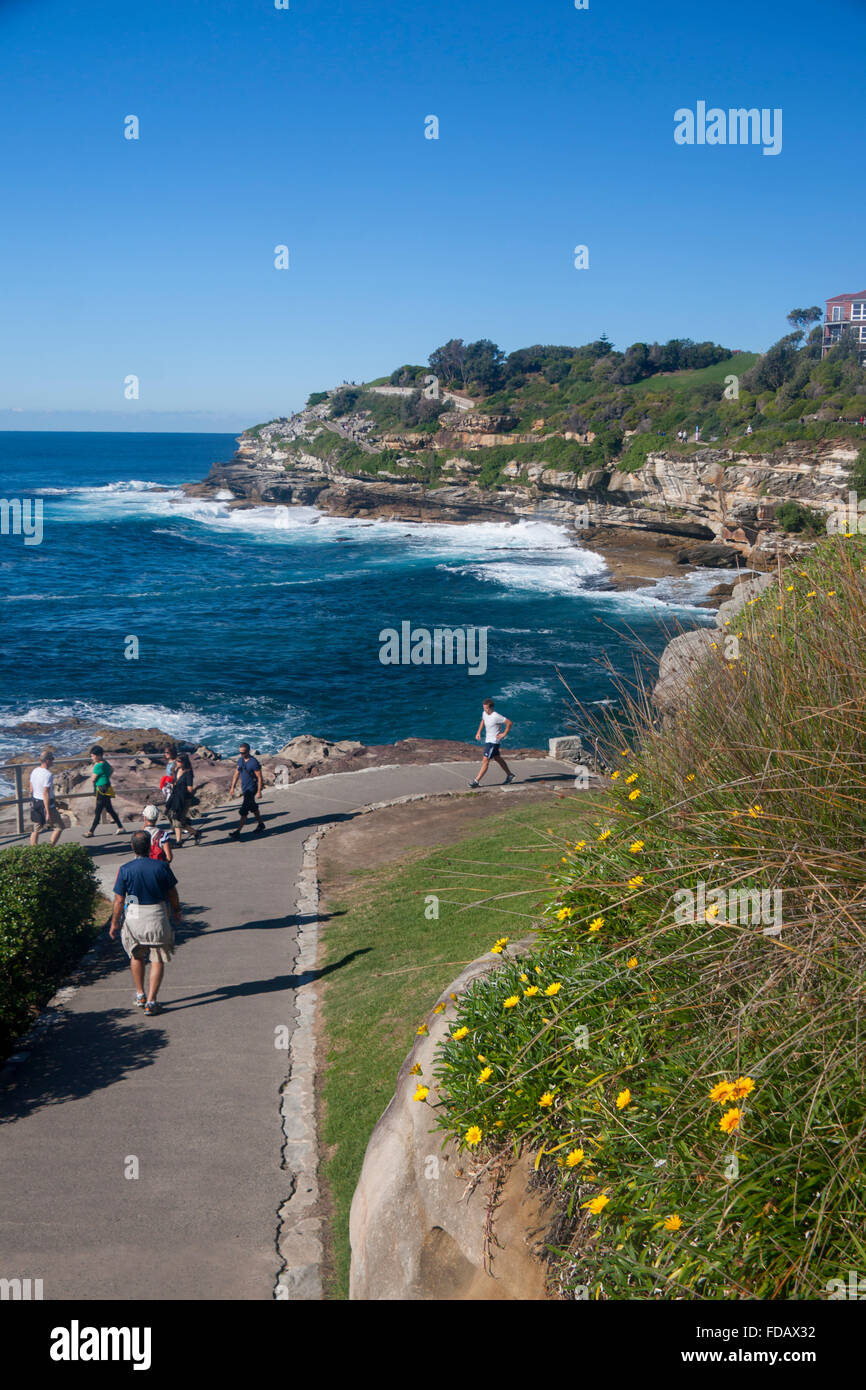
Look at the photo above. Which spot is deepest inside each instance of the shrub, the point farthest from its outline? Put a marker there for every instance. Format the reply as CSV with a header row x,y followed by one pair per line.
x,y
794,517
691,1082
47,899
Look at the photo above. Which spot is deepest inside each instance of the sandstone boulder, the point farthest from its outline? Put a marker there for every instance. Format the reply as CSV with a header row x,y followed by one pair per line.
x,y
417,1228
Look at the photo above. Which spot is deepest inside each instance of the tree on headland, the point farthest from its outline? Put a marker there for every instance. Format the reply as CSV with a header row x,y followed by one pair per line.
x,y
800,319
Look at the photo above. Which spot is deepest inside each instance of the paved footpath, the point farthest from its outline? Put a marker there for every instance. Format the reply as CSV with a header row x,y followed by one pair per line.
x,y
190,1099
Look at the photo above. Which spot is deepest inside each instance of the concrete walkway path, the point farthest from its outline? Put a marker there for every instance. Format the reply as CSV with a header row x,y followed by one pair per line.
x,y
142,1157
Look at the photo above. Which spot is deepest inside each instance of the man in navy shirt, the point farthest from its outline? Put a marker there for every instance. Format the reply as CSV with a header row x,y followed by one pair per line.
x,y
249,771
144,891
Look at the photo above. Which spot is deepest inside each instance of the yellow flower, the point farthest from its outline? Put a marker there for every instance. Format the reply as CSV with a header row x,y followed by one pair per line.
x,y
538,969
636,881
633,796
460,1034
690,777
581,844
631,962
485,1074
512,1001
563,913
604,835
472,1136
496,950
546,1100
722,1093
831,593
481,1057
632,777
575,1157
673,1223
789,588
440,1008
743,1086
614,775
553,989
623,752
524,978
528,993
623,1099
596,924
711,912
421,1093
597,1205
416,1070
422,1030
635,847
811,593
730,1120
563,861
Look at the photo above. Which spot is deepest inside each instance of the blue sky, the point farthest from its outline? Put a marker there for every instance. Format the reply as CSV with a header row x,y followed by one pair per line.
x,y
305,127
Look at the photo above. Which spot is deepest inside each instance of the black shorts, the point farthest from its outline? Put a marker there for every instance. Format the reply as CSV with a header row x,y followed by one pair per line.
x,y
37,814
491,750
248,805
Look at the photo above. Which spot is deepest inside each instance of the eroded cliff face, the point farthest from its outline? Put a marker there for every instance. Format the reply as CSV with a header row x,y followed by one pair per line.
x,y
710,494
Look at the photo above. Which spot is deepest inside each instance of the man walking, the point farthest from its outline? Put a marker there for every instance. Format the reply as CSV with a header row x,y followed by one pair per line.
x,y
249,771
145,890
496,727
43,808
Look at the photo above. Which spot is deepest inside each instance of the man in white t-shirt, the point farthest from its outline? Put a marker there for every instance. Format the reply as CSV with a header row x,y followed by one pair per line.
x,y
496,727
43,809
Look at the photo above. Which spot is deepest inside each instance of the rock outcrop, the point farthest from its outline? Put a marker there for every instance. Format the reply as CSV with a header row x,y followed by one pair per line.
x,y
419,1224
705,493
691,655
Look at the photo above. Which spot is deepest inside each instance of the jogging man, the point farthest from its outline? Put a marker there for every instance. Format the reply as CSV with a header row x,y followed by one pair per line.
x,y
249,771
144,891
43,809
495,727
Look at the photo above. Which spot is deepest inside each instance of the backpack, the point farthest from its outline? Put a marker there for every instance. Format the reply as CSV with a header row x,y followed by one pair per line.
x,y
155,844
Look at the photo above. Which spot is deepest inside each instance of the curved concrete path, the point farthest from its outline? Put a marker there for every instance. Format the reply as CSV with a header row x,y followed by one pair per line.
x,y
143,1158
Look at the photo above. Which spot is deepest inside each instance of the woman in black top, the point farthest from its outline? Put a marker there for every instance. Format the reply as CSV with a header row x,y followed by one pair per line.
x,y
181,798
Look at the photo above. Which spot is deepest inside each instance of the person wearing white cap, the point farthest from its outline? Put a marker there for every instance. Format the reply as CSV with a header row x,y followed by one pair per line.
x,y
160,840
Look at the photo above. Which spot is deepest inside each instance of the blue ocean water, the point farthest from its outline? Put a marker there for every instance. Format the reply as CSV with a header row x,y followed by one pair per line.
x,y
249,624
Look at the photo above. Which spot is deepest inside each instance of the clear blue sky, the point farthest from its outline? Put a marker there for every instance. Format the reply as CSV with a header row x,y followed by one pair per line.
x,y
306,127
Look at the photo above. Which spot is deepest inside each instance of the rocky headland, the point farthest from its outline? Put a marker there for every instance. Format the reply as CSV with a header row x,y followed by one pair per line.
x,y
687,505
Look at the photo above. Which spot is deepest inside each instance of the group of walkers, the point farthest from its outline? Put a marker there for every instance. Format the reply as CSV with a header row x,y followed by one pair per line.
x,y
146,906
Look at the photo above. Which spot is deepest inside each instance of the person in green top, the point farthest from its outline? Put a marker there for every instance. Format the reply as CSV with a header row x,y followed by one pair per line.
x,y
101,774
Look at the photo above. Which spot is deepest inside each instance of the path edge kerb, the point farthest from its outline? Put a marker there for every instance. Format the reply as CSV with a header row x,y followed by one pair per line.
x,y
300,1225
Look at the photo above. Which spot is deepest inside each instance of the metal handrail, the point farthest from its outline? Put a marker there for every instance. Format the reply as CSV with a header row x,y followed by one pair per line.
x,y
17,769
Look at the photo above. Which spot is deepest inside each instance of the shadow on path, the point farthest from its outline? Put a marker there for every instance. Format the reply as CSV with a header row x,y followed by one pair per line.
x,y
276,984
79,1054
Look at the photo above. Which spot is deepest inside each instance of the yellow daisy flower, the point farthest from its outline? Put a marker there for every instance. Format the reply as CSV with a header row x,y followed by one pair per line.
x,y
673,1223
460,1034
472,1136
597,1205
730,1120
575,1157
553,989
421,1093
623,1099
512,1001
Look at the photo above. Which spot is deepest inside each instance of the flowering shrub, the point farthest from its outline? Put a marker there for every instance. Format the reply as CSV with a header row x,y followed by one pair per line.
x,y
689,1078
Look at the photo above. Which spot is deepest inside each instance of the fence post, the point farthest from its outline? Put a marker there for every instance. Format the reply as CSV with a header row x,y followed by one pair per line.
x,y
19,796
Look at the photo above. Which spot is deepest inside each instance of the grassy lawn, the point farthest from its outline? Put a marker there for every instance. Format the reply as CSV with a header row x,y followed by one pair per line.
x,y
374,1003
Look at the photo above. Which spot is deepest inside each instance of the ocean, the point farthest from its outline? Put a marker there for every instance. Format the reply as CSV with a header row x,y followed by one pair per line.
x,y
141,607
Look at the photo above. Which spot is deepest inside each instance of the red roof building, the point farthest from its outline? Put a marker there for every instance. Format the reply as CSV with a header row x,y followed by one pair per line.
x,y
846,313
